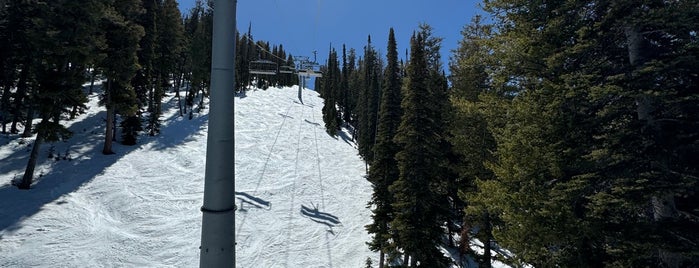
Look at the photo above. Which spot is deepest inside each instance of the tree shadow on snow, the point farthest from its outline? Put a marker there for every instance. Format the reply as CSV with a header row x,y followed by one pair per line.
x,y
180,130
345,137
64,176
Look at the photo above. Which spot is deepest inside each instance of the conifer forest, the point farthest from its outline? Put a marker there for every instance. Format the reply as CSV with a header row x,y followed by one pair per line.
x,y
559,133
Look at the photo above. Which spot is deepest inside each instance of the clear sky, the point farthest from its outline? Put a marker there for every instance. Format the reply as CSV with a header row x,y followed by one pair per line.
x,y
303,26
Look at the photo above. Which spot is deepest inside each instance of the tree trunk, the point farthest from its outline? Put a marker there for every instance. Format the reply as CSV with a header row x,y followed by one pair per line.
x,y
19,100
663,204
487,229
178,84
31,165
5,105
92,79
114,126
109,133
151,94
28,121
73,112
186,97
179,101
381,258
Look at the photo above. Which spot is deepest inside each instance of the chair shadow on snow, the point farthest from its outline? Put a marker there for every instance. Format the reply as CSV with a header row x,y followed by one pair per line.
x,y
320,217
66,177
255,202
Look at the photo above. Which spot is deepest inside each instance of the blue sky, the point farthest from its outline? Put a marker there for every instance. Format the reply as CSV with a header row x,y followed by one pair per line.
x,y
303,26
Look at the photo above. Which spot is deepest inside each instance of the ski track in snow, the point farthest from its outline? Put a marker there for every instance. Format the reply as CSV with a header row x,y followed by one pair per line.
x,y
298,239
300,193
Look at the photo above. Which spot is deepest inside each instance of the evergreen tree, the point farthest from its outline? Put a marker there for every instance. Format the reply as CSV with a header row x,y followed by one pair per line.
x,y
367,102
590,168
240,62
200,51
350,74
169,35
344,95
330,88
416,202
384,169
21,26
143,82
64,36
122,36
7,68
293,79
445,177
470,137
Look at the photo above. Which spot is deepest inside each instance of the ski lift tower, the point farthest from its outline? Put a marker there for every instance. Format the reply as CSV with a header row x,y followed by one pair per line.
x,y
218,220
305,68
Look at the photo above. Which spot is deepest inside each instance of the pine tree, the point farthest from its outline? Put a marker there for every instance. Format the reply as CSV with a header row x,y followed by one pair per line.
x,y
169,35
122,36
368,102
470,137
350,74
64,36
143,82
21,24
330,88
445,178
384,169
583,132
7,68
416,202
199,51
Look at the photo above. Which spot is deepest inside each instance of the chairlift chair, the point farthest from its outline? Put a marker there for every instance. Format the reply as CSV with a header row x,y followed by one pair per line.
x,y
310,73
286,69
265,67
262,68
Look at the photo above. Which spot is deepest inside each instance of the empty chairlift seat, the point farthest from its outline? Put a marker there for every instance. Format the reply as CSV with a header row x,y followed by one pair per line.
x,y
287,69
263,67
310,73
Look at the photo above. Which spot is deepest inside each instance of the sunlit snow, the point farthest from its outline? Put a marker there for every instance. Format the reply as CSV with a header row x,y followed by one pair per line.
x,y
300,193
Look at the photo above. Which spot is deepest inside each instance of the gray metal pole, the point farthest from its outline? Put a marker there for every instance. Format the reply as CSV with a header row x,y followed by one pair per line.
x,y
218,220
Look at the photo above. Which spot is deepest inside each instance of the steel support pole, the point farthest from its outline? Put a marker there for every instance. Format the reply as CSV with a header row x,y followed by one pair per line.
x,y
218,220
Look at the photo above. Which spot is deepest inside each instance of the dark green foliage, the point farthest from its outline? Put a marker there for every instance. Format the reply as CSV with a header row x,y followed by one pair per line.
x,y
169,35
470,137
368,101
444,178
384,169
122,35
54,64
591,108
198,28
368,263
129,130
349,75
416,205
330,88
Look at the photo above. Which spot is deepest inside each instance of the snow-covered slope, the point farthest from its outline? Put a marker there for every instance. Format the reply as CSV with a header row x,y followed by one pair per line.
x,y
301,193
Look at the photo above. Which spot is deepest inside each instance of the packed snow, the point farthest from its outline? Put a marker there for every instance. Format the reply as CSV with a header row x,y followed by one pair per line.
x,y
300,193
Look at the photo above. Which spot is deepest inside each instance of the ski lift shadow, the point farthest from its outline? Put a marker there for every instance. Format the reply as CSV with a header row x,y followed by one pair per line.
x,y
312,123
320,217
255,202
